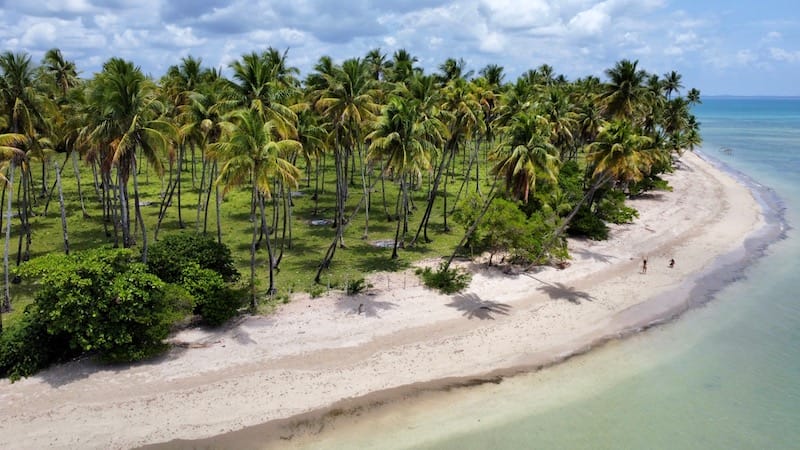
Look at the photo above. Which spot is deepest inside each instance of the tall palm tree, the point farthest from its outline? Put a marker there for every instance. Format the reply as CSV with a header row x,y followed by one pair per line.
x,y
10,153
378,63
672,83
625,90
249,149
129,122
64,72
526,155
346,100
402,66
402,140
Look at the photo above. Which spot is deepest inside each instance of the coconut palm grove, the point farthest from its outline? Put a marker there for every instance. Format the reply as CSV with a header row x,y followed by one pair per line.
x,y
135,204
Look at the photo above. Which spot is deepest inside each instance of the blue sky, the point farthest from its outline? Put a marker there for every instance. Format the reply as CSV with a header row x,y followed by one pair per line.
x,y
720,47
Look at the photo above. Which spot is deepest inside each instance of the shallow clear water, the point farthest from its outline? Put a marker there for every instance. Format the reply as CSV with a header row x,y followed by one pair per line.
x,y
723,376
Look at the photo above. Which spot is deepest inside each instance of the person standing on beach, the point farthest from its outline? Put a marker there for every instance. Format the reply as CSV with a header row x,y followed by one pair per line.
x,y
672,263
644,265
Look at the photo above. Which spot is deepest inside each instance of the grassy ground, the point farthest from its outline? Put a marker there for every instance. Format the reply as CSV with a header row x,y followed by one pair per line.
x,y
300,262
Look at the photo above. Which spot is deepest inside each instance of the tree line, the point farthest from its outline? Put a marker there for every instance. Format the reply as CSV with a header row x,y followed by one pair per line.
x,y
556,149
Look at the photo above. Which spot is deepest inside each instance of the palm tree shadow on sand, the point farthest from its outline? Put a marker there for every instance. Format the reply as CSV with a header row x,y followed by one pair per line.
x,y
364,305
560,291
473,307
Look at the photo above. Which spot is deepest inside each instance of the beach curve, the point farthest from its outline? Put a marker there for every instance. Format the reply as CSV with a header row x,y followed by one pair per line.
x,y
314,353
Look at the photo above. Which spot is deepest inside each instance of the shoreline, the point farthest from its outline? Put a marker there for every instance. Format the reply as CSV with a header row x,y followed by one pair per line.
x,y
256,376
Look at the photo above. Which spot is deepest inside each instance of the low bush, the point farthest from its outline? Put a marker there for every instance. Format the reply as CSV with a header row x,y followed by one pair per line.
x,y
101,301
612,208
167,256
448,281
353,287
587,224
26,347
214,301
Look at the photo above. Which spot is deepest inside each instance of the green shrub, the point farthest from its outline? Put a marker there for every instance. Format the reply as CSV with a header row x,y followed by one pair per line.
x,y
447,281
26,347
317,291
612,208
213,299
587,224
353,287
167,256
101,301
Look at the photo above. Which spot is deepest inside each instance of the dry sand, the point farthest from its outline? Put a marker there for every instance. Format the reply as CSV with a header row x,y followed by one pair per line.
x,y
314,352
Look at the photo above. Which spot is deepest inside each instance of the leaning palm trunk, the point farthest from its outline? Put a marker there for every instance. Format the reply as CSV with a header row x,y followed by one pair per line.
x,y
53,189
63,210
7,270
567,220
489,198
423,225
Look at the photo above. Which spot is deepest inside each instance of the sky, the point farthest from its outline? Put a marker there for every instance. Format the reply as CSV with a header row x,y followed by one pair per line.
x,y
727,47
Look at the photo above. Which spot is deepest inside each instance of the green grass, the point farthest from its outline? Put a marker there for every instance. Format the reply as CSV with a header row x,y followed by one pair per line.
x,y
300,262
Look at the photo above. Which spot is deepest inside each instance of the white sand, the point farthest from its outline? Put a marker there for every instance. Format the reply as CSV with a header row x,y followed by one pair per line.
x,y
313,352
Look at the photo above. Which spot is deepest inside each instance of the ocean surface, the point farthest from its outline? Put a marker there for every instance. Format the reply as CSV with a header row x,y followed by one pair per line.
x,y
725,375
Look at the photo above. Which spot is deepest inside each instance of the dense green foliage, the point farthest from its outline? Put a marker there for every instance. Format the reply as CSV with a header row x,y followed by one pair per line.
x,y
168,257
214,300
27,347
304,180
447,280
102,302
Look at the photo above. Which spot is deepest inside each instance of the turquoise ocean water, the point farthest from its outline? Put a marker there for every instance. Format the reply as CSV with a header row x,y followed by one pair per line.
x,y
725,375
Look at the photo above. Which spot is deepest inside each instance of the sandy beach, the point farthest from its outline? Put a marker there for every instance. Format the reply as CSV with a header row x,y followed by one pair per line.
x,y
312,353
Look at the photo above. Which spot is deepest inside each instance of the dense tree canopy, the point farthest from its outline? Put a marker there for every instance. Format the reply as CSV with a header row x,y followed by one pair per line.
x,y
382,132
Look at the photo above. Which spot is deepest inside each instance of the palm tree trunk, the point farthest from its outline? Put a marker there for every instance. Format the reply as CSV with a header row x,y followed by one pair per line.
x,y
366,193
401,203
218,201
127,242
270,260
423,225
77,171
138,210
7,270
181,150
253,245
63,210
490,197
203,168
211,177
52,189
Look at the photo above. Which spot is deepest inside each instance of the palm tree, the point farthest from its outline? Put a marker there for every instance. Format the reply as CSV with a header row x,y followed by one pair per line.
x,y
378,63
249,149
402,140
9,152
129,121
64,72
526,155
693,96
672,83
624,92
452,69
346,99
402,66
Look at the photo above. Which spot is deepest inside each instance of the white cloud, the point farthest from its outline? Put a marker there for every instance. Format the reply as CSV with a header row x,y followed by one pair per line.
x,y
780,54
590,22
